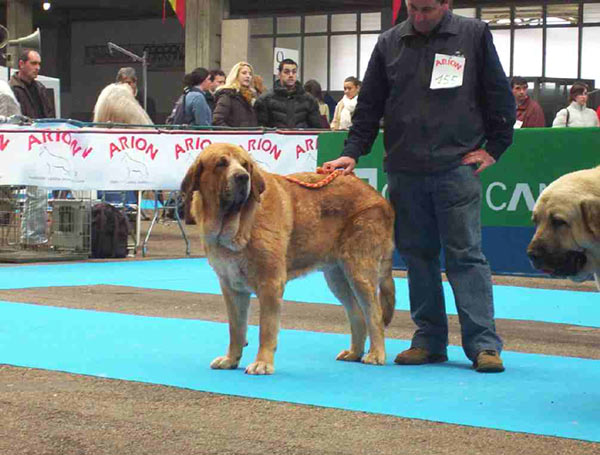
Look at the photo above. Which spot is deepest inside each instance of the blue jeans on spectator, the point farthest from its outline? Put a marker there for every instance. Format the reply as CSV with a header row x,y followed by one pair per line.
x,y
444,210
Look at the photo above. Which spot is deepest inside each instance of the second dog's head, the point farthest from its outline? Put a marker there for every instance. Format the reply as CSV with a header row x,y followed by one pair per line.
x,y
567,235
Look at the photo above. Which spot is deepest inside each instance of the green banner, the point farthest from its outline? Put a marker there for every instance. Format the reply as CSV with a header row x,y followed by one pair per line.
x,y
510,187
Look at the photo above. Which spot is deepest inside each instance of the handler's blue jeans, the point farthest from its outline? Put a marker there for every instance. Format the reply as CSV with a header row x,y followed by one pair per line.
x,y
443,210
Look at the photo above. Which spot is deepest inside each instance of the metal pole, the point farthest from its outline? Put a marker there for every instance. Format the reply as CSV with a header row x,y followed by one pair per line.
x,y
144,61
136,58
145,76
138,221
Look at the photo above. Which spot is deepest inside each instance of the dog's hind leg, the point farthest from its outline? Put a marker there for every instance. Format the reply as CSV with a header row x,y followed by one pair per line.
x,y
387,290
364,281
337,282
237,304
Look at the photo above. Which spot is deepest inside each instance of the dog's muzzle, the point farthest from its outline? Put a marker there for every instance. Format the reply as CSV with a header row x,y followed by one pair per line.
x,y
236,193
565,263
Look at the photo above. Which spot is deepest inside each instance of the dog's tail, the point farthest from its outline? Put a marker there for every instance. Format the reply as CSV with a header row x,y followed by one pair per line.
x,y
387,291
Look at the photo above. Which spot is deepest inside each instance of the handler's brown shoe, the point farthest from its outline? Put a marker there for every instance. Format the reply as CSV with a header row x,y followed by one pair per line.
x,y
488,362
419,356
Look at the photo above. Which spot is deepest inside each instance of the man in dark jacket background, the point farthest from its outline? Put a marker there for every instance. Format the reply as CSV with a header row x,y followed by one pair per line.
x,y
35,103
288,105
449,114
32,95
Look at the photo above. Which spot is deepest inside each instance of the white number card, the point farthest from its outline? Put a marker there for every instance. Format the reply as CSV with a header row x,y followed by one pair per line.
x,y
448,71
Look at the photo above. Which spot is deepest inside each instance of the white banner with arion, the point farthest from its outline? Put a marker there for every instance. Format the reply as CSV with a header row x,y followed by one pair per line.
x,y
64,157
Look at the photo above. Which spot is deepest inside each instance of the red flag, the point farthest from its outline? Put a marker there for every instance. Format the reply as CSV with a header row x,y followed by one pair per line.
x,y
400,14
179,9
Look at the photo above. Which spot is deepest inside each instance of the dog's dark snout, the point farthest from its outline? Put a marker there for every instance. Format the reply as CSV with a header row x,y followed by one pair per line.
x,y
242,178
536,255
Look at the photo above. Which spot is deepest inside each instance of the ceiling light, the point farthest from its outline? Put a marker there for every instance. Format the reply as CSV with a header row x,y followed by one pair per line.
x,y
46,5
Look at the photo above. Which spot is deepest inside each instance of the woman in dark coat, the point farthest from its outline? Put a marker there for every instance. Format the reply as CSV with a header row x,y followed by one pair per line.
x,y
234,104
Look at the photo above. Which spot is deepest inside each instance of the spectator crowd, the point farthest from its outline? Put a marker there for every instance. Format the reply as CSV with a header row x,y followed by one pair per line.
x,y
240,99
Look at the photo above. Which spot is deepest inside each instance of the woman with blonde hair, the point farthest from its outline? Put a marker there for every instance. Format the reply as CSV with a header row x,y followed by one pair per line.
x,y
234,101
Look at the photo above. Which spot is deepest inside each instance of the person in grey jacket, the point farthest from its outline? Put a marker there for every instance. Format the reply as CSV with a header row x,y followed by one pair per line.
x,y
448,114
576,114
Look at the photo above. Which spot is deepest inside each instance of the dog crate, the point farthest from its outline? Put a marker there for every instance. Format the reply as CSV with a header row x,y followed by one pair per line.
x,y
35,226
70,225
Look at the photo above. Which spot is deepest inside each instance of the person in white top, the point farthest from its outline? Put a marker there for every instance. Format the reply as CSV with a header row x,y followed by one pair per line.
x,y
576,115
342,118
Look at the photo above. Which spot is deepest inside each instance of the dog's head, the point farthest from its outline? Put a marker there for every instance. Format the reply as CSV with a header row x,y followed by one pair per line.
x,y
567,235
225,177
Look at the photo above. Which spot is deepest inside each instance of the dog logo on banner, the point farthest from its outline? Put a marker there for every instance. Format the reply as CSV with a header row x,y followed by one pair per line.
x,y
136,169
56,165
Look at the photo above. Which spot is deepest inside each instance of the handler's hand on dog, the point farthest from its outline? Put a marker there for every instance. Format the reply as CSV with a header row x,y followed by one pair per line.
x,y
480,158
344,162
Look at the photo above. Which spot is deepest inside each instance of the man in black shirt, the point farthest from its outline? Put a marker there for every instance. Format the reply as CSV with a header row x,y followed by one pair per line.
x,y
31,94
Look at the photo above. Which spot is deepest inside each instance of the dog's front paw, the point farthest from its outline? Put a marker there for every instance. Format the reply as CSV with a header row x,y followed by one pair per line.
x,y
224,363
374,359
260,368
349,356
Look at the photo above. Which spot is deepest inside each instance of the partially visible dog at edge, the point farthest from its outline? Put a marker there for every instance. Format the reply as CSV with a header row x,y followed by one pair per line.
x,y
566,242
117,104
262,230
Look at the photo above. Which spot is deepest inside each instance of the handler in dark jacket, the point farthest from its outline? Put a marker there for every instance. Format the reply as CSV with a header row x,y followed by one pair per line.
x,y
31,94
449,114
288,105
235,100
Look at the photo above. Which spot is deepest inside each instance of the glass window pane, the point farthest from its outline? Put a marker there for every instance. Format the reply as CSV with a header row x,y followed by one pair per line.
x,y
315,24
343,60
261,55
367,44
502,43
291,43
465,12
315,61
343,23
261,26
288,25
370,21
528,52
590,64
529,16
591,13
561,52
563,14
496,17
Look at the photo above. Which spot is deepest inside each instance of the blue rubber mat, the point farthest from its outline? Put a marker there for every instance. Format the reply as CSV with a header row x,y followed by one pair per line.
x,y
537,394
195,275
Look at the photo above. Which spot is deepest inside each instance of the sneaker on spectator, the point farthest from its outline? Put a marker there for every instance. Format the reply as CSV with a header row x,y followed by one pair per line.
x,y
419,356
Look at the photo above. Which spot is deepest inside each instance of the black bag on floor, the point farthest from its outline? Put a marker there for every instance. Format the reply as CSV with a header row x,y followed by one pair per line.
x,y
110,229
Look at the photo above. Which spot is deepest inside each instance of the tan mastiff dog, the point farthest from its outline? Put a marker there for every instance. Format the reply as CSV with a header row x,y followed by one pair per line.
x,y
262,230
567,219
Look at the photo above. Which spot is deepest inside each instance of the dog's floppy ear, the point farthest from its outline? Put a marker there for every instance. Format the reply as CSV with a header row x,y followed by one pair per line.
x,y
590,211
191,181
257,181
